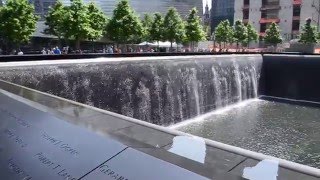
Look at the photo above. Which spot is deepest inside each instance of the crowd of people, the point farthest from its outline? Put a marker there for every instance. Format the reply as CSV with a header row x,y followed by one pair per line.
x,y
105,50
56,50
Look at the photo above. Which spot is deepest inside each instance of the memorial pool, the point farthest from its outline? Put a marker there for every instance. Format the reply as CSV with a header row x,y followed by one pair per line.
x,y
214,97
282,130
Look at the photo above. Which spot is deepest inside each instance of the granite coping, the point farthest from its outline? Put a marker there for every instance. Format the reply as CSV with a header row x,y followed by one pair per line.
x,y
216,164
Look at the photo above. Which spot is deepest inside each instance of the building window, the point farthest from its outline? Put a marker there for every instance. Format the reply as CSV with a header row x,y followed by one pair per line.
x,y
296,10
270,2
246,2
263,27
270,14
246,14
295,25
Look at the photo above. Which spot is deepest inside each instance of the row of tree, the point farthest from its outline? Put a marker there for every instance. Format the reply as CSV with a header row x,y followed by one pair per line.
x,y
243,34
79,21
87,22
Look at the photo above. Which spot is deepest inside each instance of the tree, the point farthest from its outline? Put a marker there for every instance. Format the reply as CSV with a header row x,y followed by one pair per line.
x,y
97,20
56,22
18,23
273,36
308,34
79,27
124,26
240,33
147,23
77,21
252,34
194,29
156,30
224,33
174,29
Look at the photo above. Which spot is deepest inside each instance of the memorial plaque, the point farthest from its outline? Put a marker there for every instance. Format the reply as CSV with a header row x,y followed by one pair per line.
x,y
35,145
135,165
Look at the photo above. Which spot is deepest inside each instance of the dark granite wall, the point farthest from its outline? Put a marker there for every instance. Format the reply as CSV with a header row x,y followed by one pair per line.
x,y
292,76
158,91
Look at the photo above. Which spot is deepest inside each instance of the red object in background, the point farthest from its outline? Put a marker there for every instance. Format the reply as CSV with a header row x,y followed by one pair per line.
x,y
264,20
297,2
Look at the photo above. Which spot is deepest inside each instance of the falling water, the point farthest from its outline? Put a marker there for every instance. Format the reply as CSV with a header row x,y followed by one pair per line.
x,y
238,81
195,90
162,92
217,87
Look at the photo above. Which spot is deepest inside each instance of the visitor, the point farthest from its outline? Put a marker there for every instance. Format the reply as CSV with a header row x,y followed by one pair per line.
x,y
69,50
110,50
44,52
49,51
57,50
20,52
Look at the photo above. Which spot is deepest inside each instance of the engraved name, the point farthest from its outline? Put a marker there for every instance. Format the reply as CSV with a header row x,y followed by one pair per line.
x,y
20,121
17,170
60,144
17,139
53,166
105,169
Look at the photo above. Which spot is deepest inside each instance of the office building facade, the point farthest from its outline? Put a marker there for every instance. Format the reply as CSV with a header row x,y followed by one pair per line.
x,y
42,7
290,15
142,7
222,10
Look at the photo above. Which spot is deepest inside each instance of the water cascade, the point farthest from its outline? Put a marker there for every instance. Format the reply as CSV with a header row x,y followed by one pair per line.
x,y
163,91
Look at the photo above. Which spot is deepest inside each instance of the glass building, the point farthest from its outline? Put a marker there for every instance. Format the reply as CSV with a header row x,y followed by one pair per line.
x,y
41,7
221,10
150,6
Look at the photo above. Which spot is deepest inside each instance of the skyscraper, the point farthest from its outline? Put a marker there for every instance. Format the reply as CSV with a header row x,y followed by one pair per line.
x,y
221,10
150,6
41,7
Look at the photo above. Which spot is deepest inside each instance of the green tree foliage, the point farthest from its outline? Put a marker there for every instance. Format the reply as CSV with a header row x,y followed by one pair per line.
x,y
147,23
252,34
308,34
194,29
273,36
79,27
56,22
224,33
240,33
124,26
18,22
97,20
174,28
77,21
156,30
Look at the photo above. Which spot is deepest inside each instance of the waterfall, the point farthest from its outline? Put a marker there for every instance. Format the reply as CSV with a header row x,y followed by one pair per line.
x,y
195,90
162,92
217,87
238,81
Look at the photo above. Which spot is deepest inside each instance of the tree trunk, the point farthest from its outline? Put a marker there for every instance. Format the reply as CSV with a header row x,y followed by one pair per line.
x,y
59,41
171,48
192,46
93,48
78,43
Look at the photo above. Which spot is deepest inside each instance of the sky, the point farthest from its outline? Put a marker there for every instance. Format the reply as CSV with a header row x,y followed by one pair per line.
x,y
205,2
